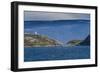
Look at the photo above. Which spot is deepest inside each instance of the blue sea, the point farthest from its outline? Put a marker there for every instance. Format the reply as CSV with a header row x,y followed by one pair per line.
x,y
56,53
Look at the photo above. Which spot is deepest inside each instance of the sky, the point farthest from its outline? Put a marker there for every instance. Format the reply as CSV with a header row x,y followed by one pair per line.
x,y
47,16
61,32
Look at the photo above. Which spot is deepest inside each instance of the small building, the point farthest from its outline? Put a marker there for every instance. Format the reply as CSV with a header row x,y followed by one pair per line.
x,y
35,33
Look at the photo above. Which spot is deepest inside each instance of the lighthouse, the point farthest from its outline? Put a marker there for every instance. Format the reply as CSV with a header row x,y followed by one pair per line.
x,y
35,33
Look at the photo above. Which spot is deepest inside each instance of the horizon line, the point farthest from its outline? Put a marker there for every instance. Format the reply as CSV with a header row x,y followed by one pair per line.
x,y
58,20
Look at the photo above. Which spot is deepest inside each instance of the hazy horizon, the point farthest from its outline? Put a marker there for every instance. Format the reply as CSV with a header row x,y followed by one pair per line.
x,y
51,16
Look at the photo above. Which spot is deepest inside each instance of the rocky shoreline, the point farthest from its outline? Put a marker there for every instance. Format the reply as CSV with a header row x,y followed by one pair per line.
x,y
37,40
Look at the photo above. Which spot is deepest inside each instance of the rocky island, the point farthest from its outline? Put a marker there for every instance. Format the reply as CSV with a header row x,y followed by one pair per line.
x,y
73,42
84,42
37,40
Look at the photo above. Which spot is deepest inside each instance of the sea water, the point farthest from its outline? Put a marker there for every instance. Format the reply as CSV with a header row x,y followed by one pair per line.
x,y
56,53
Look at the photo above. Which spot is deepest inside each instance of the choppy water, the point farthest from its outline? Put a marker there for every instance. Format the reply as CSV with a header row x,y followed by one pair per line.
x,y
56,53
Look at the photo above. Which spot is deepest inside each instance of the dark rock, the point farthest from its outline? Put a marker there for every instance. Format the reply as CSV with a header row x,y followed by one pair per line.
x,y
86,41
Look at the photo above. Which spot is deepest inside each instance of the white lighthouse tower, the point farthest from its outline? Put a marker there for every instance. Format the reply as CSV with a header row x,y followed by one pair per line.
x,y
35,33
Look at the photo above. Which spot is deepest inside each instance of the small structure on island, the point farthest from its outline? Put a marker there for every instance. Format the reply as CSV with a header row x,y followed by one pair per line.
x,y
35,33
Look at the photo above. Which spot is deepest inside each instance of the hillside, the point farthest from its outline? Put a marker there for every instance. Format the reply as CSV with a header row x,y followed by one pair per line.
x,y
36,40
86,41
73,42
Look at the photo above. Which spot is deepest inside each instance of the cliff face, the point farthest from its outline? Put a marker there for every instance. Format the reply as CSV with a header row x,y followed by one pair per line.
x,y
86,41
36,40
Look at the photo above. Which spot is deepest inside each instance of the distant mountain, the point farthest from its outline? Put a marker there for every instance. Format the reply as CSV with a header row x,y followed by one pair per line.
x,y
54,22
59,20
86,41
36,40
